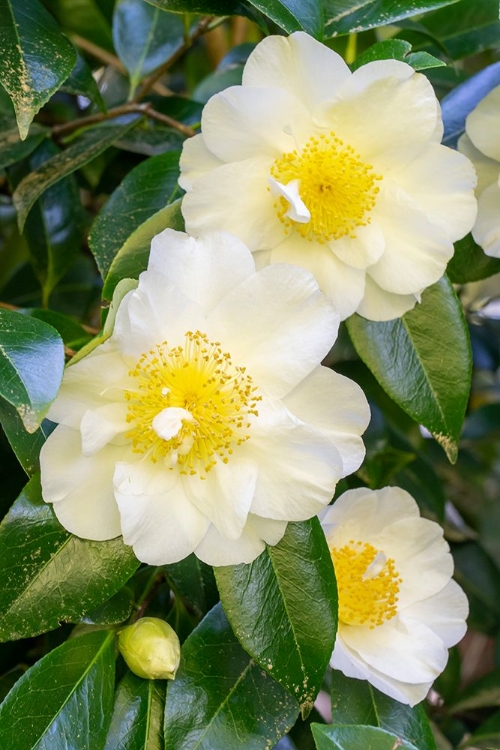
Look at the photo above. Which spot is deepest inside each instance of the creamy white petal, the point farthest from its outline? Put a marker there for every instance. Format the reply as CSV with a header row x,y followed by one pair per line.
x,y
487,170
483,123
338,407
102,425
298,64
370,510
298,466
378,304
444,613
341,283
157,517
364,249
80,487
271,316
196,159
215,549
206,268
486,231
240,123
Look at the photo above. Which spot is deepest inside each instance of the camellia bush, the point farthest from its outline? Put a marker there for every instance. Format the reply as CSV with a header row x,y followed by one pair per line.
x,y
249,374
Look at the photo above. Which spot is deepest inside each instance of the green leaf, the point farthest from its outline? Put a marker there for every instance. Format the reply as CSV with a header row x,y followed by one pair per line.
x,y
86,147
482,693
25,445
346,16
144,191
357,702
470,263
487,733
145,37
86,19
397,49
82,82
132,258
31,366
423,361
48,575
114,611
72,333
293,15
36,57
13,149
220,694
195,581
356,737
65,700
137,722
283,609
478,575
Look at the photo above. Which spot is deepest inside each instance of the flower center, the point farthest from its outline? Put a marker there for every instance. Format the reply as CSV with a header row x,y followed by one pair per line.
x,y
368,584
189,405
324,191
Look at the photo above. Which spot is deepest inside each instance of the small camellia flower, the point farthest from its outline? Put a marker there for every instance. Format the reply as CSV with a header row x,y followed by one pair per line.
x,y
151,648
205,422
481,144
341,173
399,609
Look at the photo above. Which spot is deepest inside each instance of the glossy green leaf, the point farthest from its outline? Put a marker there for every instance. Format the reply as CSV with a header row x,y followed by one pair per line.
x,y
283,609
86,147
207,7
31,366
346,16
72,333
145,37
293,15
397,49
26,445
13,149
356,737
37,58
482,693
194,580
116,610
423,361
137,722
470,263
65,700
487,735
132,257
48,575
357,702
81,82
151,139
221,697
144,191
85,18
478,575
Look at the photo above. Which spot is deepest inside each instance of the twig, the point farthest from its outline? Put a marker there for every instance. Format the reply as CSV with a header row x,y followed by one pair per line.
x,y
98,52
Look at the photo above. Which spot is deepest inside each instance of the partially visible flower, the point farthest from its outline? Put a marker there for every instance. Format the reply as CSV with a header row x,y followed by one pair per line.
x,y
151,648
205,422
341,173
481,144
399,609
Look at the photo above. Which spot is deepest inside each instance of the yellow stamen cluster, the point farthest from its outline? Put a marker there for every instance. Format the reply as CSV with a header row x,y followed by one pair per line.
x,y
338,189
200,378
366,596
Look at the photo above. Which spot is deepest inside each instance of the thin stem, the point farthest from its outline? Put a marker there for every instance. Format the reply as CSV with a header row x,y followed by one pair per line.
x,y
98,52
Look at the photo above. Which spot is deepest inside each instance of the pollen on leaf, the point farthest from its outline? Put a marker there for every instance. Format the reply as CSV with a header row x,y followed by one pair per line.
x,y
216,397
336,186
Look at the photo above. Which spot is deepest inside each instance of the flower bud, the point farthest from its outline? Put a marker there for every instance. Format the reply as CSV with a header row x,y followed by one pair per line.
x,y
151,648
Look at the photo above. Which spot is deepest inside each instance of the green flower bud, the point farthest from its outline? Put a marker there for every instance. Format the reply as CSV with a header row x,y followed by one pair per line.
x,y
151,648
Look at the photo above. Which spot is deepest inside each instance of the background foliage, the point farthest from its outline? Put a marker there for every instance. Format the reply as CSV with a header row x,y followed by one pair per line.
x,y
96,99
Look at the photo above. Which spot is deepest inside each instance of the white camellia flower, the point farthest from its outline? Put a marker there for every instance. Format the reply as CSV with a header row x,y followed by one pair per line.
x,y
399,609
481,144
341,173
205,422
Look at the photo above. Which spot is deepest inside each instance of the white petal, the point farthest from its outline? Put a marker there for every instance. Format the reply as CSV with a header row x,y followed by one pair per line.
x,y
299,64
80,487
444,613
203,268
102,425
364,249
486,231
297,210
226,495
338,407
215,549
378,304
195,160
342,284
157,518
298,465
241,122
483,123
487,170
275,316
169,421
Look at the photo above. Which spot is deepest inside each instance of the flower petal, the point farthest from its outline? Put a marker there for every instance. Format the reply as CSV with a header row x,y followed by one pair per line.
x,y
196,159
444,613
378,304
102,425
364,249
486,231
215,549
337,406
483,122
487,170
80,487
268,318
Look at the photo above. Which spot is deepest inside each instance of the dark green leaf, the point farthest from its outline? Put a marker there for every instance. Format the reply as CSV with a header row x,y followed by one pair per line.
x,y
397,49
143,192
13,149
72,333
357,702
218,81
423,361
195,581
49,575
115,610
65,700
470,263
87,146
483,693
132,258
151,139
356,737
85,18
31,366
463,99
25,445
345,17
479,577
82,82
486,734
220,698
145,37
293,15
137,722
283,609
36,57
